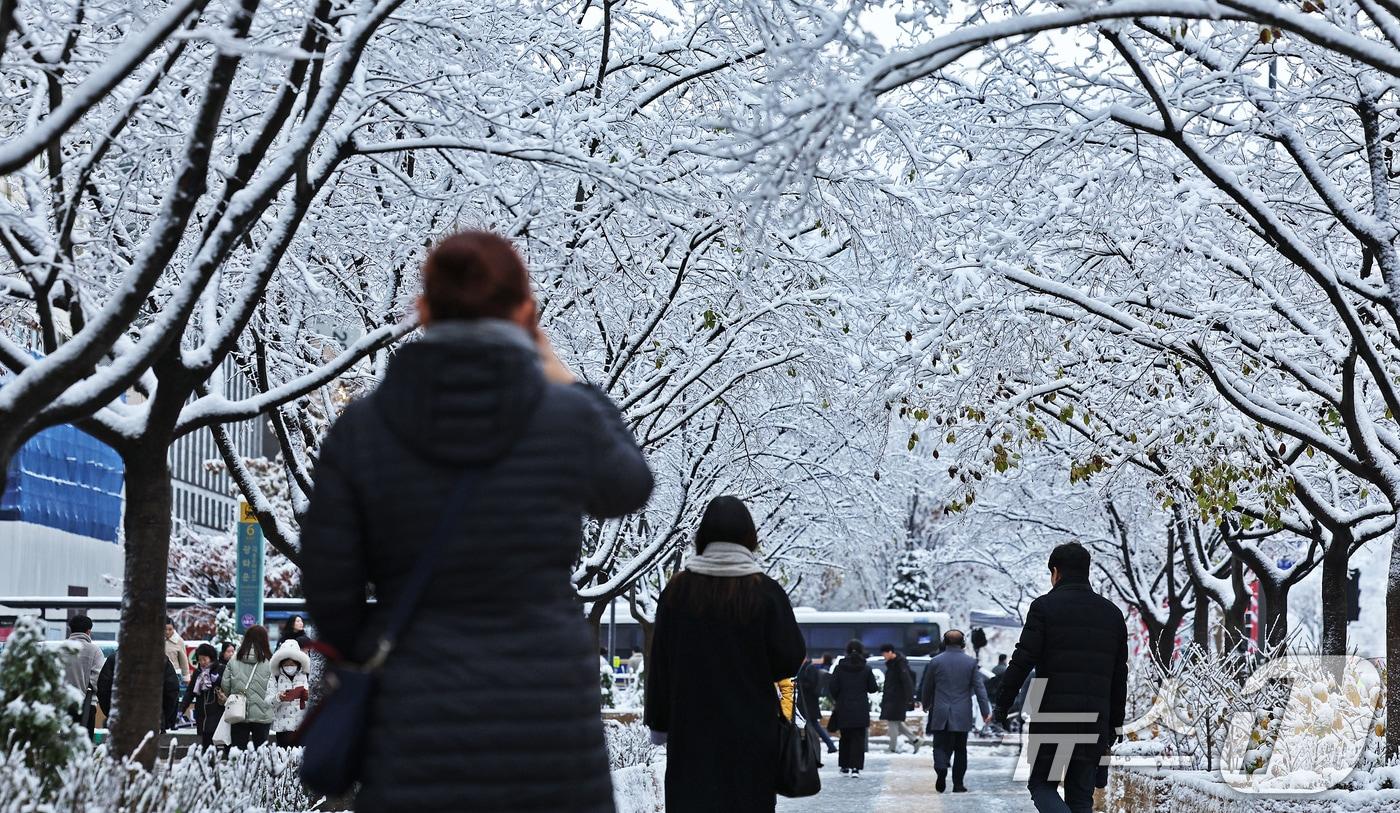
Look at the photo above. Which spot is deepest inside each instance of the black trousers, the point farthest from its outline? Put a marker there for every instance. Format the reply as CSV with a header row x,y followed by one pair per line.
x,y
1079,781
243,733
950,745
851,751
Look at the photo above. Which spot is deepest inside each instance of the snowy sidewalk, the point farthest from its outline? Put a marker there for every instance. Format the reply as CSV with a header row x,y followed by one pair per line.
x,y
905,782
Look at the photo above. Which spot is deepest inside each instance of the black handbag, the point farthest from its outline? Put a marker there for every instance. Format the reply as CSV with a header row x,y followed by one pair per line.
x,y
334,731
799,759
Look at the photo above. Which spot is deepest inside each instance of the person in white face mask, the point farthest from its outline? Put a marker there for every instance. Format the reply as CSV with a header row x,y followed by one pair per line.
x,y
291,680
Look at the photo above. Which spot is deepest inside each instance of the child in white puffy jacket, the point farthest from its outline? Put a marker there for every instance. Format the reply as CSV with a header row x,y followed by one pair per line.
x,y
291,680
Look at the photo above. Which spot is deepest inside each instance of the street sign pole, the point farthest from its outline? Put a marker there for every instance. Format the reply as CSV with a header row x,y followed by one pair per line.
x,y
248,599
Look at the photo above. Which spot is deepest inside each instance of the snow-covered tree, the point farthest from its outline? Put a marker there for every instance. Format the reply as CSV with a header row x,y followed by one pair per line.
x,y
36,702
1182,203
911,587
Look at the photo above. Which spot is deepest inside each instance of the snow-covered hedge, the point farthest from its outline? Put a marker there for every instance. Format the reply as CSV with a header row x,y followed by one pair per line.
x,y
640,788
1137,791
638,768
629,745
93,782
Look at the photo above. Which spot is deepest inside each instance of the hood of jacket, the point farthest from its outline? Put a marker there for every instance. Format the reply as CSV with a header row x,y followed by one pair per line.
x,y
851,663
290,650
463,392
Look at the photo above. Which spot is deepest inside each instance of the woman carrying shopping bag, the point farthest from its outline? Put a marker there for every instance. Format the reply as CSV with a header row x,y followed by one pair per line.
x,y
202,694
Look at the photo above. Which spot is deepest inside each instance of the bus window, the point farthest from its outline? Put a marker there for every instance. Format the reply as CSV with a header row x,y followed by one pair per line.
x,y
822,638
876,635
921,639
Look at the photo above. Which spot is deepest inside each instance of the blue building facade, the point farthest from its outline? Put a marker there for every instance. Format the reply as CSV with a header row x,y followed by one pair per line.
x,y
65,479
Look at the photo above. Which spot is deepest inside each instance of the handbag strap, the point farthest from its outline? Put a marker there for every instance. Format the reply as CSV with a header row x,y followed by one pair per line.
x,y
426,566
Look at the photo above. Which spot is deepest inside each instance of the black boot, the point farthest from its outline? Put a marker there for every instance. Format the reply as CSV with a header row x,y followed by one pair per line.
x,y
942,783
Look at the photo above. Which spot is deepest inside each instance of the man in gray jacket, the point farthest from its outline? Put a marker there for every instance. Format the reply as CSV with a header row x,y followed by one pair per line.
x,y
947,689
87,662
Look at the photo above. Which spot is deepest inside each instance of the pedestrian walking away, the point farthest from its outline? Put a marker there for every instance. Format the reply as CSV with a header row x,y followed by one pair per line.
x,y
725,634
291,688
852,683
202,693
898,698
950,683
1077,643
249,675
812,680
85,665
489,699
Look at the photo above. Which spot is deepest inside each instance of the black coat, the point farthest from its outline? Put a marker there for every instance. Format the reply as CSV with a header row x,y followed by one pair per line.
x,y
169,693
899,689
1077,641
811,685
490,702
710,687
207,709
852,683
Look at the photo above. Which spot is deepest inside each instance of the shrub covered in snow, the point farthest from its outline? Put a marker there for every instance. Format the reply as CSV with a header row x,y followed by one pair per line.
x,y
36,702
264,779
629,744
638,768
605,683
1315,735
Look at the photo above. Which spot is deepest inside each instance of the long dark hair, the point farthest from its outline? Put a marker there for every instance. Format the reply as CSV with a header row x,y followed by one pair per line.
x,y
726,519
255,641
289,627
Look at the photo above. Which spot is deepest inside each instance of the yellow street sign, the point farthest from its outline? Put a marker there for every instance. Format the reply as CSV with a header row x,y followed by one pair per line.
x,y
245,512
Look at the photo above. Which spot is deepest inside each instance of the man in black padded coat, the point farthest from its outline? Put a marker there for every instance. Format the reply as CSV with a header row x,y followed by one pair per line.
x,y
490,701
1077,643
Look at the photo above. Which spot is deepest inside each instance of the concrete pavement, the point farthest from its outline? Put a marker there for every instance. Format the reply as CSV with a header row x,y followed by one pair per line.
x,y
904,782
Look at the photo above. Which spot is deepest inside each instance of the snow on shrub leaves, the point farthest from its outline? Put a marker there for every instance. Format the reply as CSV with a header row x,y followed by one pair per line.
x,y
35,701
264,779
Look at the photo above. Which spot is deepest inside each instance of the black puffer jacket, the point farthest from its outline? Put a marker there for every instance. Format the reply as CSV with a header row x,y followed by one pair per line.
x,y
899,689
1076,640
490,702
852,683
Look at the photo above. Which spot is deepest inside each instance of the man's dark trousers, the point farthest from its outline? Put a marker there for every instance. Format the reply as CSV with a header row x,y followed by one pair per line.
x,y
950,746
1078,781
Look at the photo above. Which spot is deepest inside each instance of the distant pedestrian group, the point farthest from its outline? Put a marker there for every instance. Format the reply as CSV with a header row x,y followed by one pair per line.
x,y
267,691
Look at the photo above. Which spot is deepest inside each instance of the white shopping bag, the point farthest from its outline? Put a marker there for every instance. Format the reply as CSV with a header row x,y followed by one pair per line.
x,y
223,735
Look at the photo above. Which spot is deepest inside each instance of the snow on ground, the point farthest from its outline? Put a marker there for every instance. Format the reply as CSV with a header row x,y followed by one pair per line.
x,y
892,784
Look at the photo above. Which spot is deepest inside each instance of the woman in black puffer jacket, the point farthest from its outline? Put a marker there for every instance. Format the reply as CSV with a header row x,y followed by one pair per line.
x,y
490,701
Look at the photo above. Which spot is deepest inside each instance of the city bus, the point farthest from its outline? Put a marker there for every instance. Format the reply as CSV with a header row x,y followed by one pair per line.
x,y
912,633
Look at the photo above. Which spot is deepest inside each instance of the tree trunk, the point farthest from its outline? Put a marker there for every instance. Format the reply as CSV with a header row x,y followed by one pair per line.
x,y
140,673
1200,621
595,622
1273,614
1236,639
1392,650
1162,639
1334,596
